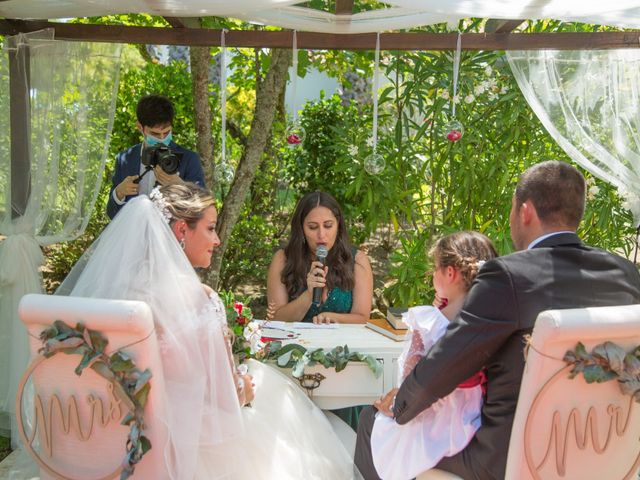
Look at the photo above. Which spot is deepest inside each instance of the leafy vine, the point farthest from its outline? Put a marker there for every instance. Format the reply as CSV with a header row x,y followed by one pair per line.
x,y
297,357
607,361
130,385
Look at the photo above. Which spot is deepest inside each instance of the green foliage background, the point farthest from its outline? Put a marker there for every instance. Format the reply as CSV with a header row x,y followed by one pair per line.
x,y
430,186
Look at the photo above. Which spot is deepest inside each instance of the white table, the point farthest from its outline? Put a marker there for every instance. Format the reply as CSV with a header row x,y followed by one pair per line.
x,y
356,384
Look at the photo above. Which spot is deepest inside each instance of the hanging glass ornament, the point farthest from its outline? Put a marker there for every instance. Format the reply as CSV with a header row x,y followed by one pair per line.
x,y
374,164
453,131
225,173
295,134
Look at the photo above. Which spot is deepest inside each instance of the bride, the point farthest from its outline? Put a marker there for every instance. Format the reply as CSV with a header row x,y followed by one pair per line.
x,y
148,253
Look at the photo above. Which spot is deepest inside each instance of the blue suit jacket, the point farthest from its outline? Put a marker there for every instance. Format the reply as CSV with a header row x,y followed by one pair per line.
x,y
128,163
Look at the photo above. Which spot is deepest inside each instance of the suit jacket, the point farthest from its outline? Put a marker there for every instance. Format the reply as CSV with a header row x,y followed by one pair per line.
x,y
501,307
128,163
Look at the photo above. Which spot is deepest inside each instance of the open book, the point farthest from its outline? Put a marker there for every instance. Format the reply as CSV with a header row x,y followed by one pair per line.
x,y
381,326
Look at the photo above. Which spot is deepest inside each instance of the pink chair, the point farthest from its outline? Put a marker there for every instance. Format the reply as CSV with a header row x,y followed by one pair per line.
x,y
84,439
568,429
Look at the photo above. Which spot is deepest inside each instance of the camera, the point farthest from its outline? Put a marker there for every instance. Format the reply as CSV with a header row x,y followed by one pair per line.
x,y
161,155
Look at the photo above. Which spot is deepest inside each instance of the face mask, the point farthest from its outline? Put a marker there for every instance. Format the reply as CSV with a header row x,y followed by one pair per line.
x,y
151,140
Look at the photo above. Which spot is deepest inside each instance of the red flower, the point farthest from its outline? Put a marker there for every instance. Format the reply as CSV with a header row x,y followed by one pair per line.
x,y
293,139
238,306
241,320
454,135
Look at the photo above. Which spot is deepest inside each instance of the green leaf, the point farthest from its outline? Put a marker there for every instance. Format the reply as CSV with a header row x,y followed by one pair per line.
x,y
142,395
121,362
596,373
612,354
145,444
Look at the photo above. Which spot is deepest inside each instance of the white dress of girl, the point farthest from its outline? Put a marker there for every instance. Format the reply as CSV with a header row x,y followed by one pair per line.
x,y
404,451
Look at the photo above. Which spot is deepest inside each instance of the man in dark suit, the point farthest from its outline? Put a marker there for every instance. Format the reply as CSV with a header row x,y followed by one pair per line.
x,y
155,121
553,269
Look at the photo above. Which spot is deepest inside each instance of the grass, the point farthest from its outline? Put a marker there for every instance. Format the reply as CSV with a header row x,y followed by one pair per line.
x,y
5,447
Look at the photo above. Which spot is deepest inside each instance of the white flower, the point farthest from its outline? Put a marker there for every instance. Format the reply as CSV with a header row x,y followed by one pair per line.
x,y
445,94
456,99
353,150
469,98
479,89
431,79
253,334
370,142
488,70
631,202
504,90
160,203
592,192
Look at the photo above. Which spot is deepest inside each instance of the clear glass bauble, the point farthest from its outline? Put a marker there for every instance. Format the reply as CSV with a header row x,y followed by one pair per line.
x,y
225,173
453,131
295,134
374,164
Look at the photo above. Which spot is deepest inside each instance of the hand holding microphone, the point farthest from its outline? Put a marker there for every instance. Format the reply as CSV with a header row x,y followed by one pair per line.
x,y
318,270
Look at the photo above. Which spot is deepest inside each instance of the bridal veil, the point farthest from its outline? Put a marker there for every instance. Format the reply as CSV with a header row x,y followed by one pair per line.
x,y
138,258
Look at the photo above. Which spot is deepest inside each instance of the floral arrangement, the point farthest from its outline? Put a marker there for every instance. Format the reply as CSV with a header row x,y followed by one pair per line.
x,y
130,384
247,341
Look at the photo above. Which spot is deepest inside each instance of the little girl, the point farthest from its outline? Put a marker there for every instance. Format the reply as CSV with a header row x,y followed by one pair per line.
x,y
404,451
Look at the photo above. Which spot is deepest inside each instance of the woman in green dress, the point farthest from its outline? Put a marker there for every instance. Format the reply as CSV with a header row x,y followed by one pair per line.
x,y
346,278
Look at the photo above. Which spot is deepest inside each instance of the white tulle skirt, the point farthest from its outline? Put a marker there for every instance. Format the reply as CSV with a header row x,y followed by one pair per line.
x,y
287,436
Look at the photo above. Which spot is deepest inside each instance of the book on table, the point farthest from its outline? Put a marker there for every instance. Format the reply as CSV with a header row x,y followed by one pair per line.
x,y
394,317
381,326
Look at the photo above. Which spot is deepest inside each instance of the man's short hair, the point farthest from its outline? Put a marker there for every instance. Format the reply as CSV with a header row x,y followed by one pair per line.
x,y
556,190
154,110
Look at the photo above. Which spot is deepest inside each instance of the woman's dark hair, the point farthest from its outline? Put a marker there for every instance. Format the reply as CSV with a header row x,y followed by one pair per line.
x,y
298,256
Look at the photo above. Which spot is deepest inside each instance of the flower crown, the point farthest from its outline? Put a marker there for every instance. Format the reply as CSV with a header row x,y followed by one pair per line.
x,y
160,203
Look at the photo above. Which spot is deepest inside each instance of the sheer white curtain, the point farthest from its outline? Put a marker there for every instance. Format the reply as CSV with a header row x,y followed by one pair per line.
x,y
57,102
589,101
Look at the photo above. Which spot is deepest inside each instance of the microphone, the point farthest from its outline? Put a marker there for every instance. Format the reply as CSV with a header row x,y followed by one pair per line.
x,y
321,256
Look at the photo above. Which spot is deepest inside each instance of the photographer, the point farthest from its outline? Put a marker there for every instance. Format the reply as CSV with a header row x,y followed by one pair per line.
x,y
141,166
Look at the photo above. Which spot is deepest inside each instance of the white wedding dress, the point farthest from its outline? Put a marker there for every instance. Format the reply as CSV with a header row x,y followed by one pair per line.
x,y
283,435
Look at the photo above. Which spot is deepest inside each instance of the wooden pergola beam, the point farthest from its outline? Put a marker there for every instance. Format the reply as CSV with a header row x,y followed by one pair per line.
x,y
322,41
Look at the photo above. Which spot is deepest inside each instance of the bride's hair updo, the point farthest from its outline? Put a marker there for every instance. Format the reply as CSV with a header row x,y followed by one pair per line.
x,y
186,202
466,251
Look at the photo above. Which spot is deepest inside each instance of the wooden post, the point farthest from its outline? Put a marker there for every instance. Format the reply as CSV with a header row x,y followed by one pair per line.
x,y
19,81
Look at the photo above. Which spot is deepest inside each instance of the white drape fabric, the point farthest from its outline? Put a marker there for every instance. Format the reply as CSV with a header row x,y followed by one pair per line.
x,y
398,15
589,101
137,257
70,96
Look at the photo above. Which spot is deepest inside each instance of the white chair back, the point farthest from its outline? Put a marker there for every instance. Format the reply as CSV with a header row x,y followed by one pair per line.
x,y
565,428
77,432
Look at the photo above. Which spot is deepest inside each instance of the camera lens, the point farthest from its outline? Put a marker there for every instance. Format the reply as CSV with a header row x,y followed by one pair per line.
x,y
168,161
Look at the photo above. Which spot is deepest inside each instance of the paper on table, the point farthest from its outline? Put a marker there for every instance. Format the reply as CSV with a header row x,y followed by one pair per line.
x,y
301,325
